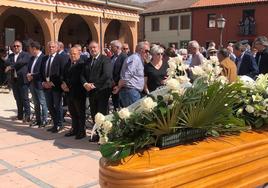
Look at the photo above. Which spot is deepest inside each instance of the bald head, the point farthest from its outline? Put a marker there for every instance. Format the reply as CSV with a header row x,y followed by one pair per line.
x,y
74,54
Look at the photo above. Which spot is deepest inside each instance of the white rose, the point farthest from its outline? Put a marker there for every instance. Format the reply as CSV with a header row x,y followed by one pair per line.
x,y
208,68
217,70
173,84
148,104
183,67
103,139
167,97
107,126
172,65
249,109
222,79
183,79
99,119
257,98
171,72
124,113
239,111
197,70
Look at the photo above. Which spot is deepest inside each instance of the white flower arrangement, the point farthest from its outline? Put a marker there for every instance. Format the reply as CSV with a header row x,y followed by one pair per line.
x,y
124,113
148,104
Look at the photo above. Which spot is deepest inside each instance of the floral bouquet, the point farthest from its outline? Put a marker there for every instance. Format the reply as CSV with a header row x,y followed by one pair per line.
x,y
205,101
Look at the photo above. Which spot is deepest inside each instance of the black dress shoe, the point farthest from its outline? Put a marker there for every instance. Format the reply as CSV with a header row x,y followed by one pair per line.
x,y
71,133
95,138
80,136
54,130
35,123
50,129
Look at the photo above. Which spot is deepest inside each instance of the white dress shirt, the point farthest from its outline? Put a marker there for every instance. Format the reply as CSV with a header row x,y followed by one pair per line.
x,y
35,60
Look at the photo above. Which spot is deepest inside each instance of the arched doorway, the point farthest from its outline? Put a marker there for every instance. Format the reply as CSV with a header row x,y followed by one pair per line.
x,y
117,30
20,24
75,30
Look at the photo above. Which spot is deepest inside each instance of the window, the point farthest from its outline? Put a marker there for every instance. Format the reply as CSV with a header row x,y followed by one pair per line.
x,y
185,22
184,44
155,24
247,24
211,20
173,22
173,43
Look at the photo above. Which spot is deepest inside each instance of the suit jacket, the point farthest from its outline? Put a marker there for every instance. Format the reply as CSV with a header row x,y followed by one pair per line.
x,y
118,66
21,67
248,66
37,76
263,63
71,76
229,69
56,71
64,56
101,74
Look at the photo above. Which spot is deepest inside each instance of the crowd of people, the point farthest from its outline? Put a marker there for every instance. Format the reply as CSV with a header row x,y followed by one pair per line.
x,y
73,76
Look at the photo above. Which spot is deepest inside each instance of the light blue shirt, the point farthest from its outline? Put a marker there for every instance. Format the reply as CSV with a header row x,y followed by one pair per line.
x,y
132,72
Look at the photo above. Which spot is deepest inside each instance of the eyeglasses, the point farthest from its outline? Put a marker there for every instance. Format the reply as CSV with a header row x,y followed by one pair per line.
x,y
147,51
125,48
16,46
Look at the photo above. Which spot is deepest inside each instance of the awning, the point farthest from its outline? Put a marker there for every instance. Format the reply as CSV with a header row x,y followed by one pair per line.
x,y
120,15
45,5
79,8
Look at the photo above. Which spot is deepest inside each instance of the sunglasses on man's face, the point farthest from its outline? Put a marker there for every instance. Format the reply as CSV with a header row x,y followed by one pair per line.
x,y
16,46
125,48
147,51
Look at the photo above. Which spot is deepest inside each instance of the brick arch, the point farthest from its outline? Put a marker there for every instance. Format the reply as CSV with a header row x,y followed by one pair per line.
x,y
125,33
38,32
90,24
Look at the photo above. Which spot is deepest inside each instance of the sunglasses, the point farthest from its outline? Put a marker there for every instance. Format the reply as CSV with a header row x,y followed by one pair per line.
x,y
16,46
125,48
159,54
147,51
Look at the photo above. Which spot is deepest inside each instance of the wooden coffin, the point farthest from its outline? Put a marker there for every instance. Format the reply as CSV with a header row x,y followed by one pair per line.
x,y
233,161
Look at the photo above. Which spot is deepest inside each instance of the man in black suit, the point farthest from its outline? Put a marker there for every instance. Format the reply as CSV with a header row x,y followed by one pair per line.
x,y
75,94
117,61
245,62
35,79
97,78
52,67
18,65
261,44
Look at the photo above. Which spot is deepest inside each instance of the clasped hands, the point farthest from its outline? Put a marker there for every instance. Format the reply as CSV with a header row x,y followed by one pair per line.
x,y
89,86
64,87
47,85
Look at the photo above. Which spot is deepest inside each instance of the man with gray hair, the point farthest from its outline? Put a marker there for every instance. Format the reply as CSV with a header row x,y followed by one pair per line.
x,y
197,57
131,83
261,44
117,61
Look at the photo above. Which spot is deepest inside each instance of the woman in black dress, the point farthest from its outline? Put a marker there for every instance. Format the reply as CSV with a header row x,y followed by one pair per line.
x,y
155,72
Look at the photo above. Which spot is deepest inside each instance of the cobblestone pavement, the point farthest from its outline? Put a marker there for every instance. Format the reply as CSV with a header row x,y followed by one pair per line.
x,y
32,157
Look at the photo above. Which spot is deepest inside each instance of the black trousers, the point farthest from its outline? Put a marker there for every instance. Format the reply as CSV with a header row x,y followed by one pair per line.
x,y
77,110
99,102
20,92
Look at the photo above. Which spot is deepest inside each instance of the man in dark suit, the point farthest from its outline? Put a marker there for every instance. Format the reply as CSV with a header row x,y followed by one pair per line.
x,y
75,94
261,44
35,79
97,78
18,65
245,62
52,67
117,61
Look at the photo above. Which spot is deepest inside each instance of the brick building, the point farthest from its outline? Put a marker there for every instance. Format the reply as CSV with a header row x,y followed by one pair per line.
x,y
245,19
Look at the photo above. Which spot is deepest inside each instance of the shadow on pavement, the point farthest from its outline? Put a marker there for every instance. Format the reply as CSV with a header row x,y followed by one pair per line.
x,y
40,133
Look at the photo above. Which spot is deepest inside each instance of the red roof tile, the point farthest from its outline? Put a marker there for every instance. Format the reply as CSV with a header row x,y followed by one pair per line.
x,y
208,3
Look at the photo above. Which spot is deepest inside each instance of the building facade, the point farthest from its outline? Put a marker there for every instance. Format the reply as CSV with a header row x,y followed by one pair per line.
x,y
167,22
69,21
245,20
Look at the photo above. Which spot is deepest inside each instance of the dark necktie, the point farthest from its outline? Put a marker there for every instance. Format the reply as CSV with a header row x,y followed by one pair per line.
x,y
93,62
48,66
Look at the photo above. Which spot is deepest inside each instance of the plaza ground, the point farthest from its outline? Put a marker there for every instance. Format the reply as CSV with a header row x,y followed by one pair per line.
x,y
32,157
